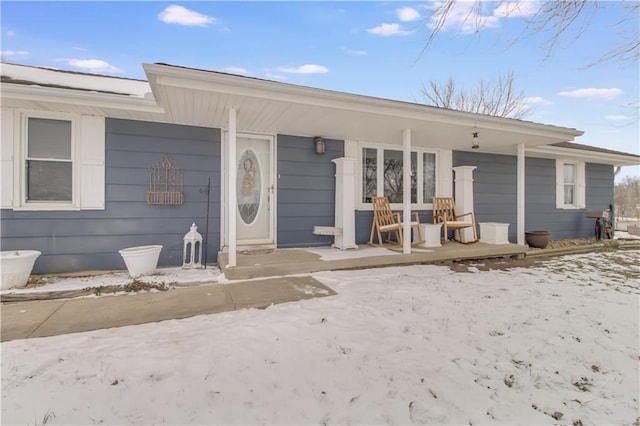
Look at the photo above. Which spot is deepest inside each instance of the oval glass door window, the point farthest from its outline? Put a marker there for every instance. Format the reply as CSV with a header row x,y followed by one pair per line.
x,y
249,186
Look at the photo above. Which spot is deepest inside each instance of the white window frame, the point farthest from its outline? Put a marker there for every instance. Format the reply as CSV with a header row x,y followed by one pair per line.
x,y
87,158
420,205
580,185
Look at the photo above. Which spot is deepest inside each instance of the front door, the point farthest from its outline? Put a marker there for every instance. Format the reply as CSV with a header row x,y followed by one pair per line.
x,y
254,190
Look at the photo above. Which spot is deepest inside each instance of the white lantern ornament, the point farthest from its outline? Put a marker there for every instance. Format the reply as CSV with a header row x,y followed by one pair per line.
x,y
192,240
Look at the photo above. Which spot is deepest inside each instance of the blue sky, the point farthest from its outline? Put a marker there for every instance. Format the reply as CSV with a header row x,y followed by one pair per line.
x,y
369,48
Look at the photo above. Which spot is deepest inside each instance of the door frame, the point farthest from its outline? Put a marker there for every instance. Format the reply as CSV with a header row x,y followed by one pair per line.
x,y
224,218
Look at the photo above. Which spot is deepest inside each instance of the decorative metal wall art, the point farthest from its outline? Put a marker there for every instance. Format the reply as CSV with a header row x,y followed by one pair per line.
x,y
165,182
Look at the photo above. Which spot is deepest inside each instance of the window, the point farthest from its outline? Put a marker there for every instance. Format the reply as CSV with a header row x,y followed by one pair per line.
x,y
382,175
570,184
48,163
52,161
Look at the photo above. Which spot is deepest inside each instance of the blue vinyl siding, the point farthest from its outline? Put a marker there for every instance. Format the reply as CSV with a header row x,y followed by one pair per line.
x,y
306,190
90,240
495,194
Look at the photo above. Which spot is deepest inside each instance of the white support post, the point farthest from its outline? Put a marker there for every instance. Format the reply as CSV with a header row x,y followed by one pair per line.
x,y
406,191
231,187
345,217
464,195
520,195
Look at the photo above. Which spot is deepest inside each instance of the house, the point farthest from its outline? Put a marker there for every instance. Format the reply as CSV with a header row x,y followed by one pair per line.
x,y
93,164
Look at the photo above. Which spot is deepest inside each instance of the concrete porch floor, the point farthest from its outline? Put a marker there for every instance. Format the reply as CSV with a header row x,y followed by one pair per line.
x,y
278,262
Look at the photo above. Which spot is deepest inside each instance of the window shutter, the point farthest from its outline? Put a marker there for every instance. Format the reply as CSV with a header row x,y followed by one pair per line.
x,y
92,163
6,159
559,184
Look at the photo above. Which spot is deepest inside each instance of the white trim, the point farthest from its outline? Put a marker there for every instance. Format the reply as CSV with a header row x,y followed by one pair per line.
x,y
406,190
442,157
226,207
6,158
585,155
208,81
580,185
520,195
20,202
231,187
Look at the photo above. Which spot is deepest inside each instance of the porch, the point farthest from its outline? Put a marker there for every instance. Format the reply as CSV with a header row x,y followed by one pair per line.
x,y
279,262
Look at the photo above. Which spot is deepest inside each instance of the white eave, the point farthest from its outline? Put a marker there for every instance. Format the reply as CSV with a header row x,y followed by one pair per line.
x,y
200,98
587,154
39,89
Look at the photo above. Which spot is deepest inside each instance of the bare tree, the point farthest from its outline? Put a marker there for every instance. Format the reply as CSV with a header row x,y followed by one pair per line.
x,y
499,98
627,197
559,20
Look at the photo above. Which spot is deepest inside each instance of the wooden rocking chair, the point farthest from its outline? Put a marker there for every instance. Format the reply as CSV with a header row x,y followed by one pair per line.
x,y
386,221
444,212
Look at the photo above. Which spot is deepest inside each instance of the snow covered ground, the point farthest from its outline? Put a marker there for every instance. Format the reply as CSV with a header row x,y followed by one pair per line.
x,y
168,276
555,343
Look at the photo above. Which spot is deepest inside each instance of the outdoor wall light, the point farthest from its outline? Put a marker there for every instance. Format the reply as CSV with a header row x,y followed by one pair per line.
x,y
476,141
320,145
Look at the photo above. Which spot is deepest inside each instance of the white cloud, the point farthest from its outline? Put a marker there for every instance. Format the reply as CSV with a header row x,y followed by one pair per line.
x,y
406,14
353,52
306,69
616,117
592,93
536,100
236,70
79,49
388,30
518,9
10,33
92,65
175,14
271,76
13,53
470,17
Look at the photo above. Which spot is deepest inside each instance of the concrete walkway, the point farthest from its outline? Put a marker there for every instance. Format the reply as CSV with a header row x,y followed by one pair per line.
x,y
298,261
24,320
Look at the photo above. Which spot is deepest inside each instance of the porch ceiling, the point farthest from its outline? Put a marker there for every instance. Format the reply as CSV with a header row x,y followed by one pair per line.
x,y
202,98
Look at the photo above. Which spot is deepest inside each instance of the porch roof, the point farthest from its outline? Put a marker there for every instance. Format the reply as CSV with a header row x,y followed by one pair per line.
x,y
197,97
201,98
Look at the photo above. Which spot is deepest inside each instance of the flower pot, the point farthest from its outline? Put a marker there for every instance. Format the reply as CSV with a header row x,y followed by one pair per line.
x,y
16,267
537,239
141,260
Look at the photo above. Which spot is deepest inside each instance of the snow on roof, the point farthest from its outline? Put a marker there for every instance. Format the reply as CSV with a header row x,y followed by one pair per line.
x,y
49,77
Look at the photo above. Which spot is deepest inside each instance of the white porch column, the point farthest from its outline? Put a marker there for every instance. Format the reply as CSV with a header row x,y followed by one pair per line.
x,y
520,197
464,195
345,211
406,191
231,187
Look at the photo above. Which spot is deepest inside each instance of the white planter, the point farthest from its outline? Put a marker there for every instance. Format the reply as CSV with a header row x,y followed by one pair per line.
x,y
16,266
494,233
141,260
431,233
